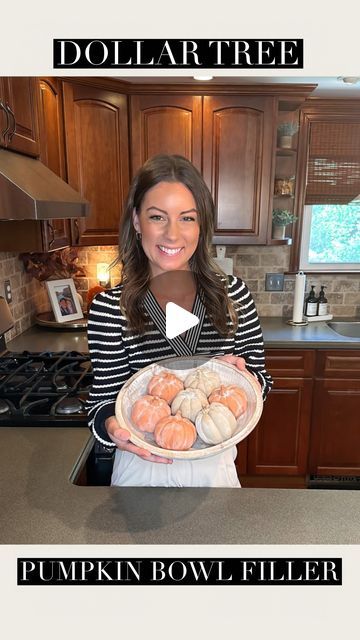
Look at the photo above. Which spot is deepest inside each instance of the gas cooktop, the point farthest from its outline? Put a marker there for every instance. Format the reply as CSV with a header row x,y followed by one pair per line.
x,y
44,389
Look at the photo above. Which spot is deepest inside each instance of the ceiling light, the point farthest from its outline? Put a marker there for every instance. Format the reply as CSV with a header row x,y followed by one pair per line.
x,y
349,79
202,76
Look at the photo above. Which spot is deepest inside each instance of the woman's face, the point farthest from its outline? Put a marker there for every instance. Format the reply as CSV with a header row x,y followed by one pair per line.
x,y
169,225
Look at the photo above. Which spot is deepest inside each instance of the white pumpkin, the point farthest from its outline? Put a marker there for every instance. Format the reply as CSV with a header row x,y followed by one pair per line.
x,y
189,402
215,423
204,379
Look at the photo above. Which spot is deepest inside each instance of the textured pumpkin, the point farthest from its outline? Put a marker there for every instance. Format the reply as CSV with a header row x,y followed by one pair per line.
x,y
175,432
147,411
215,423
165,385
231,397
188,403
202,378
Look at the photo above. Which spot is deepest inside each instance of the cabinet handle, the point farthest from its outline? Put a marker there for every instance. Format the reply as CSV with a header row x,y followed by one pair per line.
x,y
3,133
52,232
77,236
13,130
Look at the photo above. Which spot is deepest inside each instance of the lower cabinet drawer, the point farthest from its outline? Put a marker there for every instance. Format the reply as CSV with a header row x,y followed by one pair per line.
x,y
294,363
338,364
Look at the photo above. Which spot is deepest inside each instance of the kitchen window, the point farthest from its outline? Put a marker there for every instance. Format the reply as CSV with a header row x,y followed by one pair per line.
x,y
331,237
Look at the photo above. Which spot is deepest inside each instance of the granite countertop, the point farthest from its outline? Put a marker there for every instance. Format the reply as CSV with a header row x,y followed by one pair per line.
x,y
39,504
277,334
316,335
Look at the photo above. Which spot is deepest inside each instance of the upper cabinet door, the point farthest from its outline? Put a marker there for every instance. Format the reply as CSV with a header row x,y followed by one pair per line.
x,y
96,127
52,136
165,124
56,233
4,116
20,113
238,152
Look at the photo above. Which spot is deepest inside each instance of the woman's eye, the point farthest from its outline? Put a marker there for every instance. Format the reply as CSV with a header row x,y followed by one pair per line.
x,y
188,218
156,217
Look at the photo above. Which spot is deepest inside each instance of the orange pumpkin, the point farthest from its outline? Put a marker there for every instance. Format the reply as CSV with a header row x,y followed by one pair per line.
x,y
175,432
232,397
147,411
165,385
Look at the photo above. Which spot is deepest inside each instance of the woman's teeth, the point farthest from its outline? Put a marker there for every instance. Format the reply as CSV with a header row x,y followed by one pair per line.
x,y
170,252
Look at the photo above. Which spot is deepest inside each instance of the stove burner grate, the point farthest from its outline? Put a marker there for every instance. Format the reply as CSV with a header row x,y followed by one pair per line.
x,y
44,389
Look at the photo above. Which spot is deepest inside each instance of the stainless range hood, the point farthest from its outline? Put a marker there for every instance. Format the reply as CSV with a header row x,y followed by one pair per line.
x,y
30,191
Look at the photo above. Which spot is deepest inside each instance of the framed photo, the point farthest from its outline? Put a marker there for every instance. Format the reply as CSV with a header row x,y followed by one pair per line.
x,y
64,300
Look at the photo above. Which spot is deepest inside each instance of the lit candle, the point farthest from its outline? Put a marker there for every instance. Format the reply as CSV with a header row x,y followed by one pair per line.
x,y
102,273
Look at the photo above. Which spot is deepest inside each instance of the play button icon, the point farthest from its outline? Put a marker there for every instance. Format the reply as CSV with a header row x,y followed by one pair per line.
x,y
178,320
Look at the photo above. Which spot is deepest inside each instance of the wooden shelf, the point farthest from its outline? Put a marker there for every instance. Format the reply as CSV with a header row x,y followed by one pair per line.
x,y
277,242
281,151
283,197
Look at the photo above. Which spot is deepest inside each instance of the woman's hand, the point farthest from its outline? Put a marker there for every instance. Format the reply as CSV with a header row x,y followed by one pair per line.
x,y
240,363
235,360
121,437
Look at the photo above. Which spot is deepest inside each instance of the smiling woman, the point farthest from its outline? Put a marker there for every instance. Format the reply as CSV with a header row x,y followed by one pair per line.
x,y
165,248
170,232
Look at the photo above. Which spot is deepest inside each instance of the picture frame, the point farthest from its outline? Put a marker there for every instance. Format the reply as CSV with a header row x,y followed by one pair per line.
x,y
64,300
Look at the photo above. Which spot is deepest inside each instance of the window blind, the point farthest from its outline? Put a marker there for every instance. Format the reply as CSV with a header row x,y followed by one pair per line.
x,y
334,163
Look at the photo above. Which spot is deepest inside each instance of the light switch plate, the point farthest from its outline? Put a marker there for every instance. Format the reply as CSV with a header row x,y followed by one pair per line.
x,y
274,282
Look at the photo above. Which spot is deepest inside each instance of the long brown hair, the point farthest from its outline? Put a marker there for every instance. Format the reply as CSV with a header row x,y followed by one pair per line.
x,y
211,282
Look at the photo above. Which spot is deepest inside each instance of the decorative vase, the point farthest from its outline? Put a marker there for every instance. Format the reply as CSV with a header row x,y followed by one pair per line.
x,y
285,142
284,186
278,231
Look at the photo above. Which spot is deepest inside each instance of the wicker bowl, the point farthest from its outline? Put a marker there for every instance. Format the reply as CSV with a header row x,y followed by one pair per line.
x,y
181,366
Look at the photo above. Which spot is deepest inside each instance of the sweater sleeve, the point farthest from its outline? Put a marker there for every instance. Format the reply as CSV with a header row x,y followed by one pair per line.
x,y
249,343
109,360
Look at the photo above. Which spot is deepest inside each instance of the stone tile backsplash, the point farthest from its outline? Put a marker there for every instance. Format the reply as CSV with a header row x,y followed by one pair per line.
x,y
28,295
250,263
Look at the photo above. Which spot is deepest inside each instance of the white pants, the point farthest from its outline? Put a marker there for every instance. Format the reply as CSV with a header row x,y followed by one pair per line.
x,y
217,471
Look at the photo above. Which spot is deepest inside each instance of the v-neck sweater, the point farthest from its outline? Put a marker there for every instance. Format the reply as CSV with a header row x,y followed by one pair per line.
x,y
116,354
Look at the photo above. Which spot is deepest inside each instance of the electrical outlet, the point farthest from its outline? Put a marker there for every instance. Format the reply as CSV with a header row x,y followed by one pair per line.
x,y
274,282
7,291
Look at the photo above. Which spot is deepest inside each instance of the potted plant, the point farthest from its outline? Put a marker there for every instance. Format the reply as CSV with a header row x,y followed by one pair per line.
x,y
280,219
286,130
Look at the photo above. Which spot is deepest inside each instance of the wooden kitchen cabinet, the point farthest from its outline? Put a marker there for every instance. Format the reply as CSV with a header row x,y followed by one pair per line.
x,y
45,235
238,153
230,137
279,445
310,422
335,432
19,120
55,233
165,123
97,155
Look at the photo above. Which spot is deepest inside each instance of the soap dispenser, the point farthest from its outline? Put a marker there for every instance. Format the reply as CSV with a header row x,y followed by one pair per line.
x,y
322,302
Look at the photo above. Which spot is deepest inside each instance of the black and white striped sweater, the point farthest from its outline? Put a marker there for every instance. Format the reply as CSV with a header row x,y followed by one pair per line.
x,y
116,356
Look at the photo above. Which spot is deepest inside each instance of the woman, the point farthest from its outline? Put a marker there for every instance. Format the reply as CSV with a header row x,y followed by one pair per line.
x,y
165,244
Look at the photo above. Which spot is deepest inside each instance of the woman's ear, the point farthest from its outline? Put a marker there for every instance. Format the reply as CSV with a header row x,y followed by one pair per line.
x,y
136,221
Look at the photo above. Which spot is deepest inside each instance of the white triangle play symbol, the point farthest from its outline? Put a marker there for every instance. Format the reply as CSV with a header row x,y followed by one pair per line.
x,y
178,320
